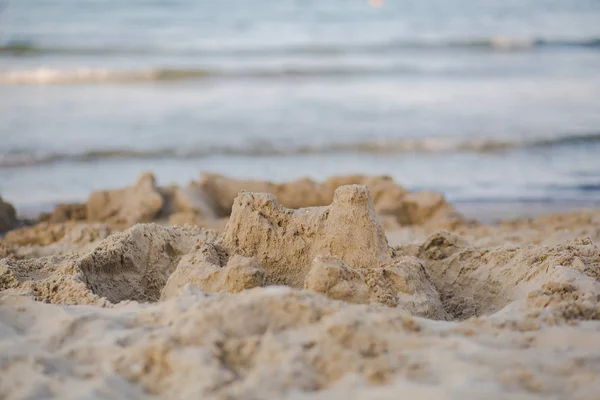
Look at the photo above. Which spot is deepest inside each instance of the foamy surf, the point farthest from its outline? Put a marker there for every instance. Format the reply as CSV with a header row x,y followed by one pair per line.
x,y
16,49
50,76
384,146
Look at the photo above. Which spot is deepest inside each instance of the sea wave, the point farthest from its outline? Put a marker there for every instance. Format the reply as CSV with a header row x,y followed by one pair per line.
x,y
50,76
390,147
86,75
18,49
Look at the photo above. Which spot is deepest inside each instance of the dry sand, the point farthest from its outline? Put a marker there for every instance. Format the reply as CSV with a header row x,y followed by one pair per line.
x,y
350,288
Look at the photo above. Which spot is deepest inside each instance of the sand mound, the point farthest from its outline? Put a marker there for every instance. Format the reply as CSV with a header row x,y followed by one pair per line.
x,y
60,239
190,199
213,271
66,212
8,216
281,343
132,265
356,319
476,281
41,234
53,279
339,250
141,202
209,202
45,233
286,241
389,198
547,230
135,264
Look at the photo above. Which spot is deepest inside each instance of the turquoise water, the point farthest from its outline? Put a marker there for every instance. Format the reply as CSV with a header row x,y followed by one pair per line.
x,y
487,101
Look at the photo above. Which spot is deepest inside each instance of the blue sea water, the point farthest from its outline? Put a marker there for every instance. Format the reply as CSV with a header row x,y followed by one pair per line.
x,y
484,100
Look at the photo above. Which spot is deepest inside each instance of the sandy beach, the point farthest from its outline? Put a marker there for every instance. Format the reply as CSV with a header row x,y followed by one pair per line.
x,y
284,199
352,287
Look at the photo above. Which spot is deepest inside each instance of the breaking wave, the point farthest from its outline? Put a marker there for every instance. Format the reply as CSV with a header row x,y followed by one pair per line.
x,y
493,43
48,76
431,145
82,75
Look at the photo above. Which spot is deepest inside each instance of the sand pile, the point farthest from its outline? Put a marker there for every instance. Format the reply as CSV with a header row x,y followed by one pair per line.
x,y
65,212
130,265
308,302
140,202
476,281
548,230
391,201
208,202
53,239
8,216
340,250
282,343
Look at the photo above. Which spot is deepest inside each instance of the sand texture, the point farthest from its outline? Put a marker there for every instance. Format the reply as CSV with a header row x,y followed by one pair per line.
x,y
8,216
208,202
300,293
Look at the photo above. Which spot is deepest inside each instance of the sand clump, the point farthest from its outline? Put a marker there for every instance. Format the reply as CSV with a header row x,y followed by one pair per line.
x,y
282,343
138,203
330,276
41,234
130,265
546,230
65,212
58,239
208,202
135,264
263,244
49,279
209,269
389,198
286,241
476,281
298,303
46,239
8,216
190,199
343,242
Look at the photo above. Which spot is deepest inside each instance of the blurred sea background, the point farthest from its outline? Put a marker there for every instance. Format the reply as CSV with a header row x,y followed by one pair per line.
x,y
492,102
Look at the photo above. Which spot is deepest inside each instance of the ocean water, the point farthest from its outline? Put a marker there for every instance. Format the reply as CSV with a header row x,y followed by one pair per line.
x,y
488,101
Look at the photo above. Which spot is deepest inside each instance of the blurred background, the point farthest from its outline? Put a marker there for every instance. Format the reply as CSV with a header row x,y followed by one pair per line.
x,y
493,102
